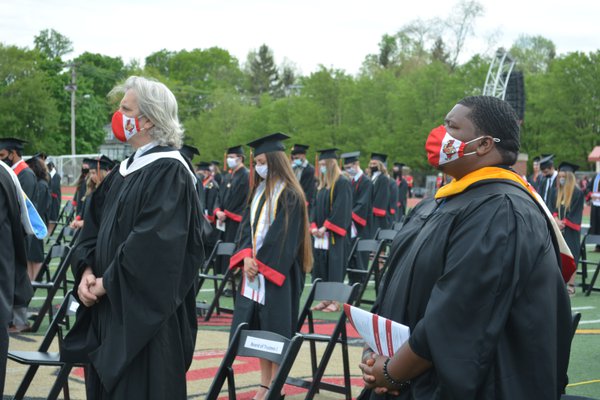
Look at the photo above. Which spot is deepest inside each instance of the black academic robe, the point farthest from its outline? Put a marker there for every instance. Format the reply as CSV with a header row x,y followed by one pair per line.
x,y
336,215
572,219
142,235
547,189
234,198
28,182
362,217
535,182
42,201
79,195
393,206
279,260
594,210
402,197
477,279
381,203
309,184
55,192
211,203
13,263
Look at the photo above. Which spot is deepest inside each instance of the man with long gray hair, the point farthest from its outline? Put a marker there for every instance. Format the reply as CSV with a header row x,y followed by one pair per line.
x,y
138,257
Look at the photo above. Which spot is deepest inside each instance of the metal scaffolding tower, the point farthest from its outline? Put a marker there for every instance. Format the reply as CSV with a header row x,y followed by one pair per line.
x,y
499,74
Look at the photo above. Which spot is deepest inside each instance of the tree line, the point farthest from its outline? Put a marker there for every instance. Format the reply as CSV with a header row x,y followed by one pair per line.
x,y
390,106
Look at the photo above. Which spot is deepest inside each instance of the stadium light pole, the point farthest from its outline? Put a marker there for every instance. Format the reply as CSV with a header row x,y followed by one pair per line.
x,y
72,87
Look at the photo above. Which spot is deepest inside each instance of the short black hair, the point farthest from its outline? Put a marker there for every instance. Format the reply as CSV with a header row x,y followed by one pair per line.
x,y
496,118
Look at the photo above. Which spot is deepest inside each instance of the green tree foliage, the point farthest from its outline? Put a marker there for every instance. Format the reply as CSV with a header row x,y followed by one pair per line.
x,y
263,76
534,53
53,44
27,108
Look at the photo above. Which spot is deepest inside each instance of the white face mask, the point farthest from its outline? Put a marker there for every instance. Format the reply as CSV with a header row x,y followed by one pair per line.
x,y
262,170
232,162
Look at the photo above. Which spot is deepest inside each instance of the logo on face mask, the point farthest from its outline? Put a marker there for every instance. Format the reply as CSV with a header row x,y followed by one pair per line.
x,y
443,148
124,127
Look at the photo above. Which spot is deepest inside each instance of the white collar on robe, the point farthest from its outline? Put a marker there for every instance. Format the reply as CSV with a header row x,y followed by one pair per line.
x,y
141,162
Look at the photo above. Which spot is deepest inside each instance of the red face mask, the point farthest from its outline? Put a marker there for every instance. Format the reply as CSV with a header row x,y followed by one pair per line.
x,y
124,127
443,148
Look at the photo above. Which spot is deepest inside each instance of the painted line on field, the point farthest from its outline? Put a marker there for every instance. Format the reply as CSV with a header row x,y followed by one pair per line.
x,y
583,308
583,383
588,331
595,321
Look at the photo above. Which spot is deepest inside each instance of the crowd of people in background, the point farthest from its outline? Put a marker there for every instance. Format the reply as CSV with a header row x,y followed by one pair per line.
x,y
289,218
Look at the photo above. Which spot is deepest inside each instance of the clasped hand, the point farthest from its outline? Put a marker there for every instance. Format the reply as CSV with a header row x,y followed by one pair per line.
x,y
372,369
90,289
250,268
319,232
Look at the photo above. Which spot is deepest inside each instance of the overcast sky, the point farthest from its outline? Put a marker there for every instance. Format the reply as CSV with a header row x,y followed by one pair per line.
x,y
307,33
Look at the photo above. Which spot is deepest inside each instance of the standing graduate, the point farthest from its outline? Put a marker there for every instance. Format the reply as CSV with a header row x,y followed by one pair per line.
x,y
475,274
402,190
81,187
100,167
11,152
274,249
13,262
536,175
393,206
593,194
362,213
381,192
42,201
233,198
304,172
55,192
568,211
330,223
138,258
210,199
547,185
216,171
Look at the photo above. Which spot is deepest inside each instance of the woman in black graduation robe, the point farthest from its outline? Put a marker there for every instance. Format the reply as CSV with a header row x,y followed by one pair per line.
x,y
42,201
568,216
332,214
278,248
142,235
381,200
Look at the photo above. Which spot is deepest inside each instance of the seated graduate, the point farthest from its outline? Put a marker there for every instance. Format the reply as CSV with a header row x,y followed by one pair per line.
x,y
274,249
476,276
138,257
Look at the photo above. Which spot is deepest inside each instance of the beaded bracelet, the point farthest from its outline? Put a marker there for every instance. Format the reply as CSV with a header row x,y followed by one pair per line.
x,y
398,384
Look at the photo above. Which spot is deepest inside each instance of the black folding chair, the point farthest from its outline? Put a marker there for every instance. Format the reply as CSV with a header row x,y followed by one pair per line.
x,y
221,249
341,293
64,219
58,281
42,357
261,344
373,248
55,253
588,240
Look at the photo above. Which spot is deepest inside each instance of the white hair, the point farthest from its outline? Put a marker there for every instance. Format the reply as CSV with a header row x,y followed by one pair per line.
x,y
157,103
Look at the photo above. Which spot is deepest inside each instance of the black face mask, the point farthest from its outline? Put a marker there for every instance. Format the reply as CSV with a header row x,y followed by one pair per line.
x,y
374,169
8,161
397,174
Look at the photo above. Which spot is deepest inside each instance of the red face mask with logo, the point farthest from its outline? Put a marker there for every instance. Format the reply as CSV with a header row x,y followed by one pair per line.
x,y
443,148
124,127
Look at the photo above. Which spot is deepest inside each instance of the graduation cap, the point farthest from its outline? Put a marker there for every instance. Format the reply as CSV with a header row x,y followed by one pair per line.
x,y
299,149
326,154
546,161
215,162
351,157
536,159
399,165
379,157
203,166
188,151
12,144
236,150
102,162
269,143
568,167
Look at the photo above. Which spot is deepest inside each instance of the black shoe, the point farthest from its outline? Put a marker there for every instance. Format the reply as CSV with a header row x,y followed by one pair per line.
x,y
228,293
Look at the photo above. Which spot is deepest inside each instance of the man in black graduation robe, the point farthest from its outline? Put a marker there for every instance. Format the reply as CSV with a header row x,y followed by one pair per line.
x,y
137,261
476,275
547,184
55,192
305,173
381,193
362,210
210,201
81,188
393,207
233,195
13,263
402,191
